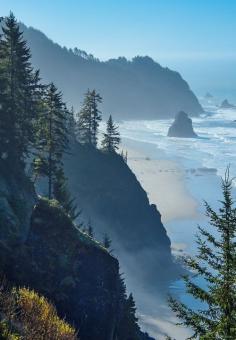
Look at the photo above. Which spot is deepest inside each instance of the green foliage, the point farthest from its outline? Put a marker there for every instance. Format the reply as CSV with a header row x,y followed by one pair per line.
x,y
62,194
106,242
111,139
52,137
215,262
19,95
89,118
128,328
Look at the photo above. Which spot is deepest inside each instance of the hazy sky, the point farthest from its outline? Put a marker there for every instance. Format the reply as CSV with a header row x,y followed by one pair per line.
x,y
178,33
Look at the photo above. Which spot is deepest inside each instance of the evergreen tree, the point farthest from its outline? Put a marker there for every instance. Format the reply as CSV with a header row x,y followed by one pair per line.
x,y
128,328
96,115
106,242
111,139
90,229
216,263
89,118
18,98
71,125
63,196
52,138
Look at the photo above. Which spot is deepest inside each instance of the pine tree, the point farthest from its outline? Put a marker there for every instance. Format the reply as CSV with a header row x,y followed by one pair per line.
x,y
131,310
111,139
128,328
71,125
216,263
90,229
106,242
19,99
63,196
96,115
89,118
52,138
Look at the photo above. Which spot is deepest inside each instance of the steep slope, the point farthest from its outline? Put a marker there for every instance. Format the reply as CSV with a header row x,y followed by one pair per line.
x,y
41,249
16,204
137,89
46,253
110,196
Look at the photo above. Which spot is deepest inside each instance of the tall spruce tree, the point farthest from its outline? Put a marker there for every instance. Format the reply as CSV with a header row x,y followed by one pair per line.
x,y
96,99
216,263
71,125
89,118
62,194
111,139
18,98
106,242
52,138
128,328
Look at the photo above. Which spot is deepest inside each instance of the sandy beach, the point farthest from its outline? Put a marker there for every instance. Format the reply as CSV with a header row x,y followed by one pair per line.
x,y
178,192
163,180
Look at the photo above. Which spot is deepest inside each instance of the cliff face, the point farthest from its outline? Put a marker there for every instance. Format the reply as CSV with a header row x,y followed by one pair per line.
x,y
137,89
41,249
69,268
109,195
16,204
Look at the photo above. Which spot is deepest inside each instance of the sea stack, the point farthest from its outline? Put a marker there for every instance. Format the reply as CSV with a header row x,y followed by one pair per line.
x,y
182,127
226,105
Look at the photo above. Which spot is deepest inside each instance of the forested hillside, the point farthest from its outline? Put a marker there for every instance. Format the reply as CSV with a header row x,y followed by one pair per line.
x,y
136,89
47,244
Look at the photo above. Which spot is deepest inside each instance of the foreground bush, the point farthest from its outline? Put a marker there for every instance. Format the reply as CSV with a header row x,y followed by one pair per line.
x,y
27,315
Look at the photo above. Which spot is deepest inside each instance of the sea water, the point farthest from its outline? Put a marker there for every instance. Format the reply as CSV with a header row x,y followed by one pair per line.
x,y
204,161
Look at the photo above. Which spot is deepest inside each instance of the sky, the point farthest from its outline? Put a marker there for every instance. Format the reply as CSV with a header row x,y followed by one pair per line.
x,y
195,37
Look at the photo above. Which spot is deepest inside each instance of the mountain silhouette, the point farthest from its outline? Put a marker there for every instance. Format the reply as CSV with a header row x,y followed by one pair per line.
x,y
136,89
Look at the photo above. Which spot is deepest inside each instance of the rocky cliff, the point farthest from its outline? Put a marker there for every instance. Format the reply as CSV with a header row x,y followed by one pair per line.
x,y
49,255
111,198
40,248
17,199
136,89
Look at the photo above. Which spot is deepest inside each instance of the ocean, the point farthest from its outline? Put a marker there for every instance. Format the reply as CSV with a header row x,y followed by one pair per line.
x,y
204,161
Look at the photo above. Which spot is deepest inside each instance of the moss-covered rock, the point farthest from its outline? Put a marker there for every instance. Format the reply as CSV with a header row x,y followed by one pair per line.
x,y
69,268
17,199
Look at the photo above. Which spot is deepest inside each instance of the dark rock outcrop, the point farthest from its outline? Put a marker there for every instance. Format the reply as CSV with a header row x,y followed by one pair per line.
x,y
136,89
110,196
182,127
16,204
70,269
226,105
40,248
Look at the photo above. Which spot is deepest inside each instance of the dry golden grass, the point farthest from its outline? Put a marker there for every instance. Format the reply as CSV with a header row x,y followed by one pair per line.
x,y
31,316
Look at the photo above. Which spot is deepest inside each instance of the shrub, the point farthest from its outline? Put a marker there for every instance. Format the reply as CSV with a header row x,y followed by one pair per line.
x,y
25,312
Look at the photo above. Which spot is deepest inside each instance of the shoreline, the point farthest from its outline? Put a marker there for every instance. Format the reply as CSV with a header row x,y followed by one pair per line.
x,y
170,187
163,180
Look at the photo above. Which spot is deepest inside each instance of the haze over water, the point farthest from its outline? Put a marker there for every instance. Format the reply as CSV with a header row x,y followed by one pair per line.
x,y
202,162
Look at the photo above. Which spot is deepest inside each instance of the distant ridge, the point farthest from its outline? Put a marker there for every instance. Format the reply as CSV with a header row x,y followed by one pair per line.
x,y
136,89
